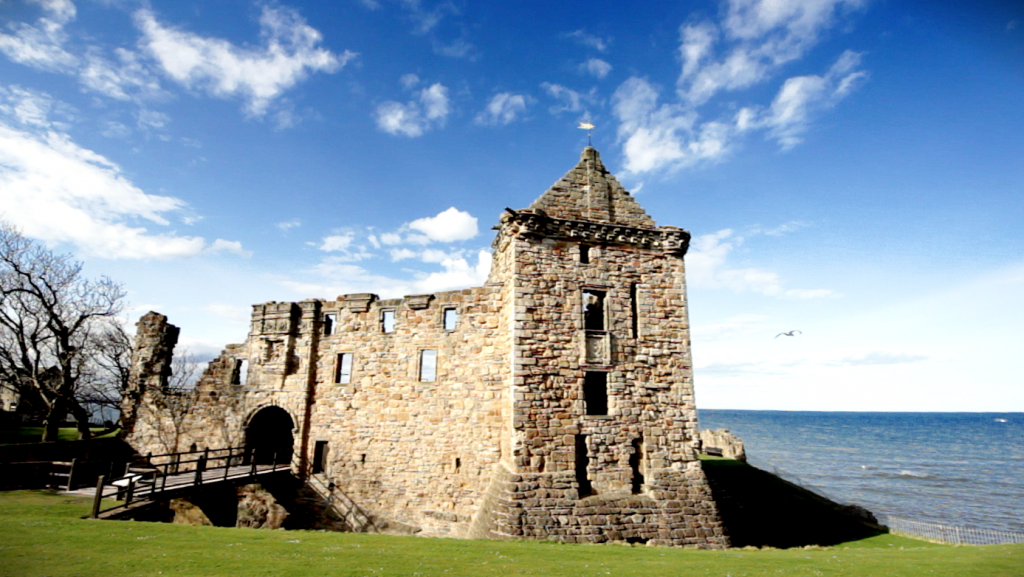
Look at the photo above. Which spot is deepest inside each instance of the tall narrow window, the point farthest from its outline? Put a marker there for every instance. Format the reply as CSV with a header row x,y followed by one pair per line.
x,y
634,308
595,392
343,370
319,457
451,319
330,322
593,310
582,465
636,465
240,372
584,254
428,366
387,321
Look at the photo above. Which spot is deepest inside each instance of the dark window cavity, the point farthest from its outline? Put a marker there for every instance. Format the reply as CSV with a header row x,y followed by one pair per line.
x,y
584,254
330,322
582,464
428,366
319,457
595,392
451,319
343,370
387,321
636,465
240,373
593,310
634,308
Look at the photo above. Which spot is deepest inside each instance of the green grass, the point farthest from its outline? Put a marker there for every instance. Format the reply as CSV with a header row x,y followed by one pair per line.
x,y
35,435
42,534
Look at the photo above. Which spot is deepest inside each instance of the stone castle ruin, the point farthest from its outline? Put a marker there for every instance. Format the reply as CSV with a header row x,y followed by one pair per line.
x,y
556,401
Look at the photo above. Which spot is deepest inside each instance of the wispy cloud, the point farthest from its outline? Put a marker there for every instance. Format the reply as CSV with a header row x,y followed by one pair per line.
x,y
427,111
289,52
59,192
503,109
707,267
746,47
568,99
41,45
589,40
596,67
287,225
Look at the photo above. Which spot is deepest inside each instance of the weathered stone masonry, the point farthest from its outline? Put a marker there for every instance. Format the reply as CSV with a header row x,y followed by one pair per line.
x,y
561,405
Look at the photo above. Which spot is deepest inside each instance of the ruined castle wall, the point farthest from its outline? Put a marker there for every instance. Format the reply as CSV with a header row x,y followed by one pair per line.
x,y
419,453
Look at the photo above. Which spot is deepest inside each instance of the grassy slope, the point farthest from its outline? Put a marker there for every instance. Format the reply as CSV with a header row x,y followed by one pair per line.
x,y
43,534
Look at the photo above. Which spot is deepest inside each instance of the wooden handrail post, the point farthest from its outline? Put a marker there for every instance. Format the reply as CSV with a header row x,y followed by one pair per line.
x,y
227,463
252,463
71,473
131,491
273,463
98,498
200,467
163,479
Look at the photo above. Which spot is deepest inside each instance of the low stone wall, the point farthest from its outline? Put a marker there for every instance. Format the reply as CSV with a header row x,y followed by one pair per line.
x,y
674,509
731,445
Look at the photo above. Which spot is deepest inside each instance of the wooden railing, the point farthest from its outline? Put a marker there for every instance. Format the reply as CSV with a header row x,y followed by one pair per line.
x,y
153,475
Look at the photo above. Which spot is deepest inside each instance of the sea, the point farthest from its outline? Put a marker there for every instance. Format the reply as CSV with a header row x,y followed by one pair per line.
x,y
962,469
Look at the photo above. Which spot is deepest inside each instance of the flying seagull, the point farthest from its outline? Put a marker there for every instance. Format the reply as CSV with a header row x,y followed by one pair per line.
x,y
791,333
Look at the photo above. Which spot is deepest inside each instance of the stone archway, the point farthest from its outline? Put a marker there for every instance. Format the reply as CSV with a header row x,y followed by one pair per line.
x,y
269,433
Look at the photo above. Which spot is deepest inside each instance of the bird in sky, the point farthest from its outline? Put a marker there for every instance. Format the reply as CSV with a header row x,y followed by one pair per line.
x,y
791,333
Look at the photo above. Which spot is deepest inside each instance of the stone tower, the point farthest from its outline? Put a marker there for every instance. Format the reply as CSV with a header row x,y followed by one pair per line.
x,y
603,416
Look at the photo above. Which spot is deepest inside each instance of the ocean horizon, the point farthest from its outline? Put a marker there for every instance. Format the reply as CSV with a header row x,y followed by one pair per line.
x,y
963,469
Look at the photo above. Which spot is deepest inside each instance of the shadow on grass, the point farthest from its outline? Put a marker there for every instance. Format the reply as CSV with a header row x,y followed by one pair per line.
x,y
762,510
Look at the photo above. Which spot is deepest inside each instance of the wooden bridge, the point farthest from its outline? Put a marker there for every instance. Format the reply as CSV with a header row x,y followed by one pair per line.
x,y
161,477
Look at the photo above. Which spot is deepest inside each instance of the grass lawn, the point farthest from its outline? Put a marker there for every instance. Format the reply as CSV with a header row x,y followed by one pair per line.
x,y
35,435
42,534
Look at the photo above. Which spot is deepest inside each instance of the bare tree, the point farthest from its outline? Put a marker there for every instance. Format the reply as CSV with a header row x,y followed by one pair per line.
x,y
50,318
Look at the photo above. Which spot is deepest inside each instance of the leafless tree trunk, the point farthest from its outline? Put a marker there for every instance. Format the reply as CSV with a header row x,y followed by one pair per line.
x,y
50,318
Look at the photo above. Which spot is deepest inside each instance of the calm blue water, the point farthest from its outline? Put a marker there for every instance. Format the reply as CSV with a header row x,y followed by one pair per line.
x,y
962,469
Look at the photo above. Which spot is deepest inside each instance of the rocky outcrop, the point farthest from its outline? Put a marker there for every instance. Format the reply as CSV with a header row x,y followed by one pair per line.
x,y
722,443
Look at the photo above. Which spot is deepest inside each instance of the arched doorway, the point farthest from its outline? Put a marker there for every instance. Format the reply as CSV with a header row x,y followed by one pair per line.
x,y
269,433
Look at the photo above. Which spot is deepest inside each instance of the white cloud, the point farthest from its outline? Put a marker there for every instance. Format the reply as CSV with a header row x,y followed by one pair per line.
x,y
414,118
596,67
571,100
42,45
761,35
503,108
801,98
588,40
57,192
334,277
707,267
290,51
658,136
236,314
390,238
448,226
285,226
229,246
409,80
337,242
127,79
403,253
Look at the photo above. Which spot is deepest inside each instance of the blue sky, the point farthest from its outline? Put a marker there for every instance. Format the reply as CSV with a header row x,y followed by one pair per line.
x,y
852,169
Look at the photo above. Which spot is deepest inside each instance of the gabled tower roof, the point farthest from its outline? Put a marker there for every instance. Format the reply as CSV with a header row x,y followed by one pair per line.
x,y
589,192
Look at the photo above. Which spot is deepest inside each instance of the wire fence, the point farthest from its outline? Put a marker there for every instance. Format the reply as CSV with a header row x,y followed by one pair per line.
x,y
950,534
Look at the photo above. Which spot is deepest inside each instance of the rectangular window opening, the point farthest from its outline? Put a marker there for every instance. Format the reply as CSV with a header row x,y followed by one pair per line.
x,y
428,366
319,457
595,392
593,310
241,372
343,370
330,322
636,465
582,465
634,307
584,254
451,319
387,321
